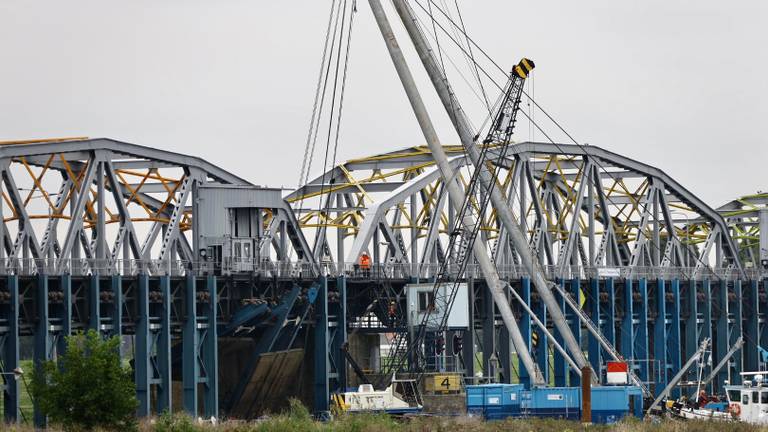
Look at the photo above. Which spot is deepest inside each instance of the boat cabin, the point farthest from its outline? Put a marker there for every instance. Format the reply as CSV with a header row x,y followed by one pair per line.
x,y
749,402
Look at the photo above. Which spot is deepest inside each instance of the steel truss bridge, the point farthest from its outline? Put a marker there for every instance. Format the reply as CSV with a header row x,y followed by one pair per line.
x,y
185,258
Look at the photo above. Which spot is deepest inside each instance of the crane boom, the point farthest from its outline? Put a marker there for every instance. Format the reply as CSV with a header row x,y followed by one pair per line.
x,y
462,239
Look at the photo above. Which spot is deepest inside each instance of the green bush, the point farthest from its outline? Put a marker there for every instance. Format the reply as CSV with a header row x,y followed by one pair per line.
x,y
88,388
175,423
296,419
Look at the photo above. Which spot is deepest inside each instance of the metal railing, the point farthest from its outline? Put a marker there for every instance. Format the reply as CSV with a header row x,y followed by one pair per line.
x,y
390,270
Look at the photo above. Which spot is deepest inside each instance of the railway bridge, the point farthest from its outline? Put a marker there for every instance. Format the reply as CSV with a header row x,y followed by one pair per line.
x,y
226,293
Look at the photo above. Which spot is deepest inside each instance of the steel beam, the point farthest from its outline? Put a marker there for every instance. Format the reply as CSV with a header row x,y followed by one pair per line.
x,y
9,315
558,360
190,347
142,350
574,374
321,362
163,350
542,343
660,335
209,350
593,302
751,327
723,330
43,339
525,327
642,351
674,340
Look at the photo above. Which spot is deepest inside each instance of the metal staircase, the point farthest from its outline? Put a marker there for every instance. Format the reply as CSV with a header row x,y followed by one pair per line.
x,y
607,346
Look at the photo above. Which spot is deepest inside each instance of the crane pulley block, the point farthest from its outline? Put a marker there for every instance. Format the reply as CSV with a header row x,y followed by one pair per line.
x,y
524,68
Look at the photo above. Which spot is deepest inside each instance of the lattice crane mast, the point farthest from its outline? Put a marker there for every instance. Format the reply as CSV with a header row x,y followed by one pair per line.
x,y
462,239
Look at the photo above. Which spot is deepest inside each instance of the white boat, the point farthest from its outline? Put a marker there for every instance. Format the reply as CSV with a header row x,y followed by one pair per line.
x,y
690,413
746,403
400,397
749,401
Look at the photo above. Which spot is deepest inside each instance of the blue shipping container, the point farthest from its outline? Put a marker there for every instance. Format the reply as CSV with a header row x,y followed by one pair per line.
x,y
494,401
556,402
498,401
611,403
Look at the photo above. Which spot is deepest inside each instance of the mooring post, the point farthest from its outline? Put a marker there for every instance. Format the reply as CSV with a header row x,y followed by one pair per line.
x,y
586,395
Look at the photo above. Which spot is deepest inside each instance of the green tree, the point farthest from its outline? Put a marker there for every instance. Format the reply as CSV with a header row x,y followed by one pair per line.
x,y
88,388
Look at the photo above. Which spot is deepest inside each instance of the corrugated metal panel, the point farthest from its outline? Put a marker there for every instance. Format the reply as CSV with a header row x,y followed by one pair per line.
x,y
215,199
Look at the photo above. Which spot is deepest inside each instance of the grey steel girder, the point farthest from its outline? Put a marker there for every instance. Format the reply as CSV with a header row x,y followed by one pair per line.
x,y
547,195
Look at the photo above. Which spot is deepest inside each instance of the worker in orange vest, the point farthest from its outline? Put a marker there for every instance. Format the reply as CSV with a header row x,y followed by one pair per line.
x,y
365,264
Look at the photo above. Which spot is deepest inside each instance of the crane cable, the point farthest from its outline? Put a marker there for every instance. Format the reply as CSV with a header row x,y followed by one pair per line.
x,y
309,148
537,127
321,228
532,121
335,36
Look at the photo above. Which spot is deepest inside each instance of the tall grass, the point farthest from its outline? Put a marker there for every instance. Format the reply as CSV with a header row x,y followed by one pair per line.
x,y
298,419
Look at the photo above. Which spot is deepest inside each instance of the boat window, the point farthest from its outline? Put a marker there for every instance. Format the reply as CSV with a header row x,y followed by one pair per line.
x,y
755,398
733,395
745,399
764,397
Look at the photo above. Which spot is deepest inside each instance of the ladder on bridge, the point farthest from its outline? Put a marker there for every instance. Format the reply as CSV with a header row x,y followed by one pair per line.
x,y
605,343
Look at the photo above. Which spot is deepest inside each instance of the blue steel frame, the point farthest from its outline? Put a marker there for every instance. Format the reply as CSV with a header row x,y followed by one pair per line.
x,y
526,327
9,349
662,321
330,334
49,308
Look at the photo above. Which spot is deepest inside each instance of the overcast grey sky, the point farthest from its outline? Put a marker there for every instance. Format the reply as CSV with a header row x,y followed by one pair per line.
x,y
676,84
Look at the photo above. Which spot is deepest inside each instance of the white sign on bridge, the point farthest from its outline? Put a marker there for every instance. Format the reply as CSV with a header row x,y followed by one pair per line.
x,y
607,272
